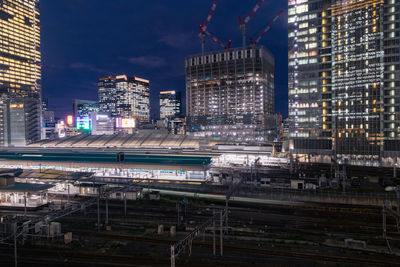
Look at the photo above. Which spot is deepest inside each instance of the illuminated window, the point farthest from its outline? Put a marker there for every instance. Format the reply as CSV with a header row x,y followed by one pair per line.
x,y
301,8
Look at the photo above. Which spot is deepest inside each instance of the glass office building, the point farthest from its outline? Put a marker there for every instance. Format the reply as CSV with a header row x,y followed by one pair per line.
x,y
83,108
126,97
20,72
170,104
344,81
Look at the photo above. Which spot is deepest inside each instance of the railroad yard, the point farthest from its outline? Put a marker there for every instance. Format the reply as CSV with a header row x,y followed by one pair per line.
x,y
146,211
280,235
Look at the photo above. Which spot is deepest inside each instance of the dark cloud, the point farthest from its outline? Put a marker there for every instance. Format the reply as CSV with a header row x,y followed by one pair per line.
x,y
179,40
80,65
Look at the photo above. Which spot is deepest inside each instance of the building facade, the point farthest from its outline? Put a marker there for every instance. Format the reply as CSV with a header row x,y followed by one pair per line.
x,y
170,104
344,62
20,72
45,104
48,116
83,108
230,93
102,124
126,97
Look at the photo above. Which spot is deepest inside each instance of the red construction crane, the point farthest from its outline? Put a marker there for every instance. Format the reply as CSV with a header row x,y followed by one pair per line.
x,y
242,23
255,42
204,28
215,39
210,14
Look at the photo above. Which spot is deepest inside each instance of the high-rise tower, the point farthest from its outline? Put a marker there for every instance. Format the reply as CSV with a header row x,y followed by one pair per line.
x,y
126,97
230,93
20,72
170,104
344,62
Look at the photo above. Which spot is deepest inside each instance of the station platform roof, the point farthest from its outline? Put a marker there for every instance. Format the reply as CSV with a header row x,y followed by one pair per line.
x,y
25,187
137,140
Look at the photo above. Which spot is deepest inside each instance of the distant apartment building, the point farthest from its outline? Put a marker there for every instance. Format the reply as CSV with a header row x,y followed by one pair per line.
x,y
20,72
102,124
83,108
230,93
344,81
126,97
45,104
48,116
170,104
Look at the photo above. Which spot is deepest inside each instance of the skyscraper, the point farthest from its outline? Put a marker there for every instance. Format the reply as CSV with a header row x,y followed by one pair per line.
x,y
126,97
344,62
170,104
230,93
20,72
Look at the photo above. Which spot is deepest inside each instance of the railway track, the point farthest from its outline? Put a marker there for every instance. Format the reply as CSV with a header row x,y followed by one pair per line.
x,y
274,218
338,222
313,255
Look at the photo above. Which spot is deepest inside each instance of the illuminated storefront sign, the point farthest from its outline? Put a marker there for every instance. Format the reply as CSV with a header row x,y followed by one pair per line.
x,y
125,123
70,120
83,123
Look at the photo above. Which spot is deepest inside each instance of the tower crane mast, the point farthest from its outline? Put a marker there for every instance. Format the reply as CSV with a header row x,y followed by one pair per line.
x,y
204,28
242,23
215,39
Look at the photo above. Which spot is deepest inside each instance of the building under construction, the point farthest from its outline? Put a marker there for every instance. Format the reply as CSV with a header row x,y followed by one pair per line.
x,y
230,93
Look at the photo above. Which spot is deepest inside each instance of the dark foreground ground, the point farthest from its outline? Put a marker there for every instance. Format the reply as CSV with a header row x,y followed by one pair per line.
x,y
268,235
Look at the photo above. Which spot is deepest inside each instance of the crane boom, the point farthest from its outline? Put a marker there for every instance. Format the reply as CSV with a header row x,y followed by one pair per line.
x,y
215,39
256,7
242,23
268,27
210,14
204,28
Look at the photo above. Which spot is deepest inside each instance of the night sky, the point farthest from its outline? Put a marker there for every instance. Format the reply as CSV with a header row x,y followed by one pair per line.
x,y
83,40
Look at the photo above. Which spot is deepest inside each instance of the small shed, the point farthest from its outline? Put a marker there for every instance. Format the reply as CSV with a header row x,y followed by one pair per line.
x,y
19,195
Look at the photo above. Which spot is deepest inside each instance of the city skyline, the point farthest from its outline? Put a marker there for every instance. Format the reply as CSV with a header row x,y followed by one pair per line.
x,y
199,133
71,68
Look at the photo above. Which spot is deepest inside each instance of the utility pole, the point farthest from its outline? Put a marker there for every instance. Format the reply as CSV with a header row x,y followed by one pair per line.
x,y
226,209
15,245
384,221
24,203
179,218
221,234
107,210
214,246
68,190
172,256
125,203
98,211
